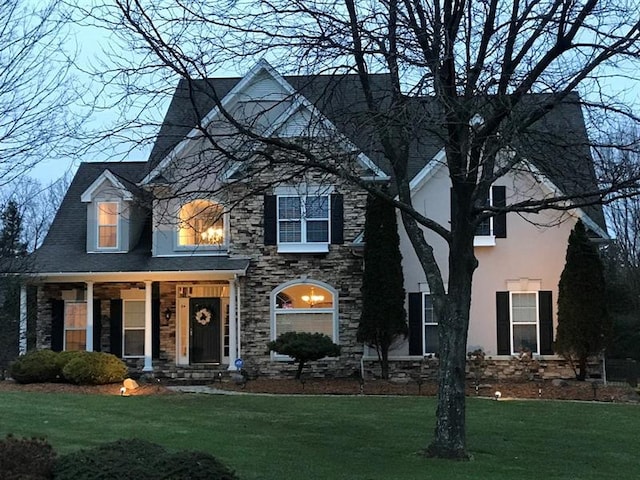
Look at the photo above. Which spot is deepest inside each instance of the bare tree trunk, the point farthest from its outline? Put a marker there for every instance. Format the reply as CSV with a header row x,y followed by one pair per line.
x,y
450,438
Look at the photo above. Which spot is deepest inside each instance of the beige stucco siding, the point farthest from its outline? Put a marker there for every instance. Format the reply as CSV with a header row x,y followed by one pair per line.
x,y
530,258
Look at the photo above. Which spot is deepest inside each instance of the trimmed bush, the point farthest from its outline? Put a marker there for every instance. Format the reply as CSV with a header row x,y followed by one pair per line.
x,y
141,460
94,368
188,465
304,347
26,459
35,367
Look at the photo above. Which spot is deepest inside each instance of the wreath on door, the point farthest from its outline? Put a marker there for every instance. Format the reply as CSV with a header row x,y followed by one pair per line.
x,y
203,316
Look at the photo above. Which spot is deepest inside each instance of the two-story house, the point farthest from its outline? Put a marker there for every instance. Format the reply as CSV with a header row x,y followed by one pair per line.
x,y
187,262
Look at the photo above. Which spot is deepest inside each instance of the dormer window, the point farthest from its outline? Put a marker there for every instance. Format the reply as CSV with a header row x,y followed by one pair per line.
x,y
201,224
107,224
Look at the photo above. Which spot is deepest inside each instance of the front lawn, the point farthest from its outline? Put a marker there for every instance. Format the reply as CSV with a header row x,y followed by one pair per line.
x,y
367,438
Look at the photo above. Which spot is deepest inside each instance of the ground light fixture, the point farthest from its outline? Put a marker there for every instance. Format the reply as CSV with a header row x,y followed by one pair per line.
x,y
498,395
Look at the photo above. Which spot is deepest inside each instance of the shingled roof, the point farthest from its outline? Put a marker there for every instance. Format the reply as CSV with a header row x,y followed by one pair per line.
x,y
64,249
557,144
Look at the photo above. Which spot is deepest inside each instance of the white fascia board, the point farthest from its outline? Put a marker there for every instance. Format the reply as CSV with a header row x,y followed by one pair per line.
x,y
230,97
106,176
553,190
428,171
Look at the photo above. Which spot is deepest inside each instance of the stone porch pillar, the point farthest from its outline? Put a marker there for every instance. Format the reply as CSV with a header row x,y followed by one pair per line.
x,y
148,337
89,335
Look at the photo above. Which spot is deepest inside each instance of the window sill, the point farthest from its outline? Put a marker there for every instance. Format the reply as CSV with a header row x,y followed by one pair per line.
x,y
303,248
484,241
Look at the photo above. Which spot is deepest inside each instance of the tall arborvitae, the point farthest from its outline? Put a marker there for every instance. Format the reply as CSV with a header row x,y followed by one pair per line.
x,y
584,324
11,244
383,318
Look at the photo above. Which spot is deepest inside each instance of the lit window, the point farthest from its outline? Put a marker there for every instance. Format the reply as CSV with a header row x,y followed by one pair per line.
x,y
304,307
303,219
201,223
107,224
75,326
524,322
133,323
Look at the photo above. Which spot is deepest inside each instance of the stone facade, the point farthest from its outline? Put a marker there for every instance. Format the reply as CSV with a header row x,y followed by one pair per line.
x,y
341,268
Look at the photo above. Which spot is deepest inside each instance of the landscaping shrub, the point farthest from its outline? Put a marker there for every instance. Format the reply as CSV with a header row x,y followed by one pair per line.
x,y
26,459
141,460
188,465
36,366
94,368
304,347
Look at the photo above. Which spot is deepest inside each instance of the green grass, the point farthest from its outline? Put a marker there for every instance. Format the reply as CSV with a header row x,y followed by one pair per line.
x,y
366,438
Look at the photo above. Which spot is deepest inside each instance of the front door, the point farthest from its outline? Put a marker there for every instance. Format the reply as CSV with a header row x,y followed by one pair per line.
x,y
205,343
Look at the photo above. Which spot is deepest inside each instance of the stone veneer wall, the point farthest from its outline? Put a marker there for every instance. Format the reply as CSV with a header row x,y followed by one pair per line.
x,y
340,267
511,369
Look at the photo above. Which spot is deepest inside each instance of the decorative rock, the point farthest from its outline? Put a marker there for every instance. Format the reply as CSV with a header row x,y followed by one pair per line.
x,y
130,384
558,382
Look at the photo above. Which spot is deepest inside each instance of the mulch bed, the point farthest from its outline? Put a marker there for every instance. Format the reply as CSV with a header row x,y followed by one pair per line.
x,y
570,390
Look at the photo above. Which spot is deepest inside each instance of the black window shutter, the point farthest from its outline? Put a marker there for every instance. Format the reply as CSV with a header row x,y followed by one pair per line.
x,y
57,325
337,222
270,220
503,329
97,325
545,303
499,194
415,324
116,327
155,320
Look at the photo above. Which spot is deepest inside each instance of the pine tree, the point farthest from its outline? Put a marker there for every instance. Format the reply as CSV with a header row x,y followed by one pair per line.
x,y
383,318
11,244
584,325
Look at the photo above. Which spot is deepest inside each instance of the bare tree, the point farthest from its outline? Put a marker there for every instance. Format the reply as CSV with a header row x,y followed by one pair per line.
x,y
37,204
37,88
460,71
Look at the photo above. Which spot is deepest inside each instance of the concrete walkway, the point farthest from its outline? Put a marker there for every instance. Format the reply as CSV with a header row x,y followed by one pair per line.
x,y
206,389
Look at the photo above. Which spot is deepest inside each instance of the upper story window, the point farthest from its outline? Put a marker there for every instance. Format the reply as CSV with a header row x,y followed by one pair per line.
x,y
201,224
107,224
496,226
303,220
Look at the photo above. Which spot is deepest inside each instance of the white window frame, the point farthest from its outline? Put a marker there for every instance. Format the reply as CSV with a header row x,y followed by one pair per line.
x,y
488,240
116,225
333,310
426,324
124,326
303,193
66,329
512,323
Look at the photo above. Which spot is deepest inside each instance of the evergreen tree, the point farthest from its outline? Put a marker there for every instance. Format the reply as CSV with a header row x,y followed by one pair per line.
x,y
11,244
383,318
584,325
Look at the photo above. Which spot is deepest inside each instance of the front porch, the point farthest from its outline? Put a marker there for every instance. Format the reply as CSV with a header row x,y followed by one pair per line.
x,y
180,328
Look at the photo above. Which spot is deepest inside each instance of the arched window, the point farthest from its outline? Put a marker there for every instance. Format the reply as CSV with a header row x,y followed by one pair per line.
x,y
201,223
305,307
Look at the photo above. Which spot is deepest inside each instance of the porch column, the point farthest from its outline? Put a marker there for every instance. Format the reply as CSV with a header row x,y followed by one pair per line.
x,y
22,343
148,365
238,319
232,325
89,336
